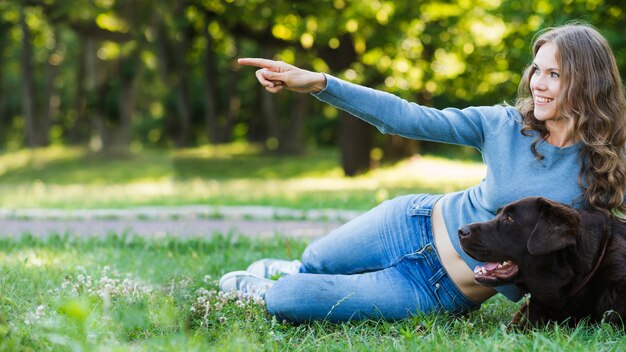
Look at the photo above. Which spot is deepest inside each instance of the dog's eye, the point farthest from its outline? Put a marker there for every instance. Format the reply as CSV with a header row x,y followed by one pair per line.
x,y
508,218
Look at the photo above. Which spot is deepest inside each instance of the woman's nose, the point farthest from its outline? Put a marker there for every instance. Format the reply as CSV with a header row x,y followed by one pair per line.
x,y
538,82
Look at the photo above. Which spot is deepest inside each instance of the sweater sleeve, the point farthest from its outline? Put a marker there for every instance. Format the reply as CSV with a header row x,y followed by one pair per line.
x,y
393,115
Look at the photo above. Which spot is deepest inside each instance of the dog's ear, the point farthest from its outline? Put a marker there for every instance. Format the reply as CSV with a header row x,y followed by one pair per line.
x,y
555,229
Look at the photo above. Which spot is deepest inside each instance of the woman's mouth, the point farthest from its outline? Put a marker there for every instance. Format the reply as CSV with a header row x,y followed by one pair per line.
x,y
543,100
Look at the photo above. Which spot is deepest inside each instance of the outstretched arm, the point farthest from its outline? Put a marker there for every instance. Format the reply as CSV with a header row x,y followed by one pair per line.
x,y
389,113
277,75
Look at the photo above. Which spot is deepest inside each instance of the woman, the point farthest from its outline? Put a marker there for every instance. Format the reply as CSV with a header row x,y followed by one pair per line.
x,y
563,140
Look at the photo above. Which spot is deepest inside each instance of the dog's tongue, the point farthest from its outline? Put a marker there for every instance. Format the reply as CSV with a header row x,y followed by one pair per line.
x,y
493,274
491,266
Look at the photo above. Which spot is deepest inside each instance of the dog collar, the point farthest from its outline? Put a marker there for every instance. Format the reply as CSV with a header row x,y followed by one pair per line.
x,y
576,290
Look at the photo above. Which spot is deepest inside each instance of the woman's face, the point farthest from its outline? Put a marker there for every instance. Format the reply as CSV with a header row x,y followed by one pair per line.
x,y
545,82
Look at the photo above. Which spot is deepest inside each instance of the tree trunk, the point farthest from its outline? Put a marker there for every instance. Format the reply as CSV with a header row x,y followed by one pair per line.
x,y
4,118
233,106
270,115
292,141
80,128
210,91
355,144
51,97
257,125
268,104
28,89
175,75
397,147
130,68
184,108
355,136
96,125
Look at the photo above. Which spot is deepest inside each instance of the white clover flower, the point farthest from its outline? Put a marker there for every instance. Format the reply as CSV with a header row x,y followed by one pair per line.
x,y
106,298
107,287
40,311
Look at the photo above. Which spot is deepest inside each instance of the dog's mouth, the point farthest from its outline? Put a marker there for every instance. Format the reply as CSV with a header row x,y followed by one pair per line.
x,y
495,274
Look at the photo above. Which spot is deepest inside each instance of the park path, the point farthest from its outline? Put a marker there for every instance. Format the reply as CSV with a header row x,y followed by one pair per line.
x,y
181,221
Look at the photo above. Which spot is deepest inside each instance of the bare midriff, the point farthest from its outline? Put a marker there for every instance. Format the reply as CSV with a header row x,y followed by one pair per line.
x,y
459,272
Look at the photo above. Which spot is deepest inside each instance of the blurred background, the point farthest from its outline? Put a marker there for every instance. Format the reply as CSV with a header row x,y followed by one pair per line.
x,y
121,76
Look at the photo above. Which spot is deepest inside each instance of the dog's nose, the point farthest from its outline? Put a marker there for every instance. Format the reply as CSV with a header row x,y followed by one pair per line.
x,y
464,231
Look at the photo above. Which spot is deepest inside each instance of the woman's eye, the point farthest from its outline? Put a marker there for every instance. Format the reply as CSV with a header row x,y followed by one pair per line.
x,y
554,75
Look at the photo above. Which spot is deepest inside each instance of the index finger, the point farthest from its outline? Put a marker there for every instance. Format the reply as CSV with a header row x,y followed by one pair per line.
x,y
262,63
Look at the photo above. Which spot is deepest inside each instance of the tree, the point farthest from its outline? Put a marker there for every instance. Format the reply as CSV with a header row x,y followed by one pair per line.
x,y
162,73
28,89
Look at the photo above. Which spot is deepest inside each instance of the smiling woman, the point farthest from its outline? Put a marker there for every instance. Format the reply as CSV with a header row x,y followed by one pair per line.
x,y
564,140
545,85
573,93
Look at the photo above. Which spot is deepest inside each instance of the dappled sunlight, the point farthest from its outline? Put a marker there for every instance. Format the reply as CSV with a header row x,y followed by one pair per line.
x,y
37,158
67,166
233,174
431,170
219,151
488,30
47,258
211,163
308,189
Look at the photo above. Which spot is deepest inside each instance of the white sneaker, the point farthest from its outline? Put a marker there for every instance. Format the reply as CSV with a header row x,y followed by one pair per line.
x,y
245,282
273,268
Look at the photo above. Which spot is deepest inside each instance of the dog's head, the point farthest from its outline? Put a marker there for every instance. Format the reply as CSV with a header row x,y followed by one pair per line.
x,y
526,243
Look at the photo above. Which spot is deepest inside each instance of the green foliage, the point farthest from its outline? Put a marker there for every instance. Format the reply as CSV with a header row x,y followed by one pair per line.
x,y
452,53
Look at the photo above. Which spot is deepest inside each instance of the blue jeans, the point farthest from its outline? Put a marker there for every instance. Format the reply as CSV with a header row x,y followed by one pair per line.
x,y
382,264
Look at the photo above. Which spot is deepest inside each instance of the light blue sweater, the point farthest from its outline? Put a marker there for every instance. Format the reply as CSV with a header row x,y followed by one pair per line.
x,y
513,172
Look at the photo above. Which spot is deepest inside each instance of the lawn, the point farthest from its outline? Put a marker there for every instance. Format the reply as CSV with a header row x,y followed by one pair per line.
x,y
228,175
128,293
121,293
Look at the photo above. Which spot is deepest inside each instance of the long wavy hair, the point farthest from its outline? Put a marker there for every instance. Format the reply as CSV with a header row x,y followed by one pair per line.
x,y
593,107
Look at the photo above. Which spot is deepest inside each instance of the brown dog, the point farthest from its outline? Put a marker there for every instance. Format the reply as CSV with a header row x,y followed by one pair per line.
x,y
572,262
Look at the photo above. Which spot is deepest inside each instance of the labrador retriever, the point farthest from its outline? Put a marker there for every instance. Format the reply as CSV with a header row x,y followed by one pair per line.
x,y
572,262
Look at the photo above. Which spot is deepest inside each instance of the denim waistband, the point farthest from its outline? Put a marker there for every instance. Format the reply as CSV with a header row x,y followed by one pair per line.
x,y
450,298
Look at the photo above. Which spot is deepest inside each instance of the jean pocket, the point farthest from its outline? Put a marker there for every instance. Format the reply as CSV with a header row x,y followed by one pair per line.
x,y
419,206
448,299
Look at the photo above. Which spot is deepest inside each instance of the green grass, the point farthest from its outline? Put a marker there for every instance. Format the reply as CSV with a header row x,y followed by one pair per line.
x,y
160,296
120,293
236,174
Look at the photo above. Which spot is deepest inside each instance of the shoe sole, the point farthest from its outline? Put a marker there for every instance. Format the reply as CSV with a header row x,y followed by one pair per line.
x,y
265,274
230,275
